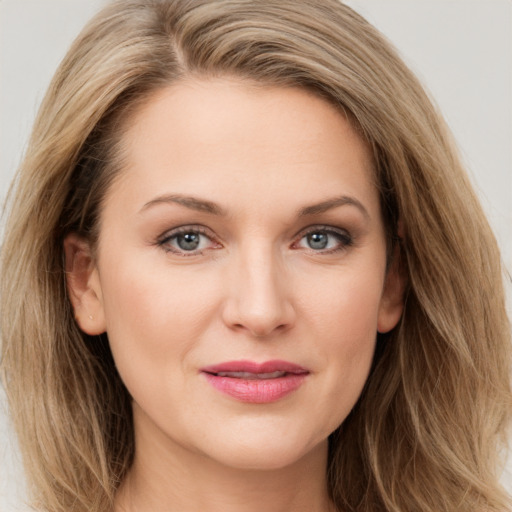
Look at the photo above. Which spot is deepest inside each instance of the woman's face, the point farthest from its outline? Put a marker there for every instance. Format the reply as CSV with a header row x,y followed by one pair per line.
x,y
240,272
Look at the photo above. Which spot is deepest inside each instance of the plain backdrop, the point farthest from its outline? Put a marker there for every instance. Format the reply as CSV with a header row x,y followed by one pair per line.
x,y
460,49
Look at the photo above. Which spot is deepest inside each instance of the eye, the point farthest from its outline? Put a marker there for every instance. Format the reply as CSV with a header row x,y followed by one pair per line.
x,y
325,239
187,241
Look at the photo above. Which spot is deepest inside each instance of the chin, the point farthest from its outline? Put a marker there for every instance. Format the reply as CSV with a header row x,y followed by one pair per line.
x,y
266,452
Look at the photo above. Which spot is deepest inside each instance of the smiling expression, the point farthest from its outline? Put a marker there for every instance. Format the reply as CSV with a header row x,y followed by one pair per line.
x,y
240,272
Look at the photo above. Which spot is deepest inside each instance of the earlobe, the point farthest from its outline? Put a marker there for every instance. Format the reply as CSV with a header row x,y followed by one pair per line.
x,y
83,285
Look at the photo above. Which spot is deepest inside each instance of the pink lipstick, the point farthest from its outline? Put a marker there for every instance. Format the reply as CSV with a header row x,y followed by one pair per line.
x,y
257,383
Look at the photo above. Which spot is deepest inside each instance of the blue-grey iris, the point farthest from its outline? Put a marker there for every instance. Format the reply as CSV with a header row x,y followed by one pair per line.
x,y
188,241
318,240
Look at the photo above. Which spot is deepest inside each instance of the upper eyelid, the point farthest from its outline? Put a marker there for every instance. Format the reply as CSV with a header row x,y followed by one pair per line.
x,y
339,232
164,241
207,231
322,227
203,230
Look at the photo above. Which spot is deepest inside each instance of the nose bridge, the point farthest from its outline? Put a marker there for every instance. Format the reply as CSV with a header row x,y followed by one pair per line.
x,y
258,270
259,300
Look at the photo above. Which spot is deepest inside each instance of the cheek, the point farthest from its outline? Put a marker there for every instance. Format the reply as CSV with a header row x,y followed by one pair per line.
x,y
345,305
345,327
154,318
141,295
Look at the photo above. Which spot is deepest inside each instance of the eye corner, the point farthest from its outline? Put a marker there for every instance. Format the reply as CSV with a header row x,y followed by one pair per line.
x,y
190,244
324,244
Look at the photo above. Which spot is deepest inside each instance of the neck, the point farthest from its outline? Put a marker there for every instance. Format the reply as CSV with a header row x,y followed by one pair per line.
x,y
166,477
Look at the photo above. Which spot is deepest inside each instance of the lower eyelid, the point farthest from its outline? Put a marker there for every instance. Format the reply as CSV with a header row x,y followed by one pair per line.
x,y
344,239
165,241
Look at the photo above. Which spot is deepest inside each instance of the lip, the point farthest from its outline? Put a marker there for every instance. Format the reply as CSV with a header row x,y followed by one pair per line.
x,y
260,387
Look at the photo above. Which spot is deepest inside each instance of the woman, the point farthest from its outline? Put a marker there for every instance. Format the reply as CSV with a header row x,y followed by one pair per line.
x,y
240,270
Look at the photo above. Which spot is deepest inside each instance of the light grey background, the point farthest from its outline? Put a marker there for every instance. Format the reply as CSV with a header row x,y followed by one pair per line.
x,y
461,49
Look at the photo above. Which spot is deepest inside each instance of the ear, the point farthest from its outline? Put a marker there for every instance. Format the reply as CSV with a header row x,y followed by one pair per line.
x,y
83,285
392,301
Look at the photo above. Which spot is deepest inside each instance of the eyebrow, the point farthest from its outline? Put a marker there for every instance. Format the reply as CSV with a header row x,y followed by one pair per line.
x,y
193,203
203,205
329,204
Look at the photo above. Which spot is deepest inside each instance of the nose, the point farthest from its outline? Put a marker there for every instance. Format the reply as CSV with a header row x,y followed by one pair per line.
x,y
259,300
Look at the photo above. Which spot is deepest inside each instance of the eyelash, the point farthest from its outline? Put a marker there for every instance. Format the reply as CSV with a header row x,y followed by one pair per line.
x,y
345,240
165,240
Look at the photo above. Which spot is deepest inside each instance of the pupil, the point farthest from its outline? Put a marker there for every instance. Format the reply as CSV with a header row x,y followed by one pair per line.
x,y
317,240
188,241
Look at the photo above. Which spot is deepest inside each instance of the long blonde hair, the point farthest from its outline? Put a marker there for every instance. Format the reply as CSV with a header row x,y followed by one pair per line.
x,y
426,433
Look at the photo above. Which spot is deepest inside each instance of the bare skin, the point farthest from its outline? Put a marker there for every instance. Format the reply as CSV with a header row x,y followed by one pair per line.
x,y
190,486
245,227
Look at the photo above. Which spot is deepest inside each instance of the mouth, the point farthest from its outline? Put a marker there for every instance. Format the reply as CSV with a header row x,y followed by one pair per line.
x,y
251,376
251,382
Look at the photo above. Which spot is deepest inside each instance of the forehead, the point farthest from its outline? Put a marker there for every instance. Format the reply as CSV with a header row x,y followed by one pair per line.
x,y
240,140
